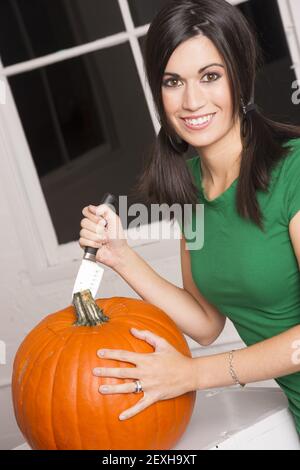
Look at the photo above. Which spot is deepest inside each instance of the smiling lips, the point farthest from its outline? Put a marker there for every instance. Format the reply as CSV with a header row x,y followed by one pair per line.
x,y
199,122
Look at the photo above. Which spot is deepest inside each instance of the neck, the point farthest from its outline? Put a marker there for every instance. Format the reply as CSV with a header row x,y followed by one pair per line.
x,y
220,161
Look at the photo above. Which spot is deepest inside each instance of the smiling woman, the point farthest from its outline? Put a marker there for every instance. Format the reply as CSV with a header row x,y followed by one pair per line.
x,y
201,62
197,99
193,121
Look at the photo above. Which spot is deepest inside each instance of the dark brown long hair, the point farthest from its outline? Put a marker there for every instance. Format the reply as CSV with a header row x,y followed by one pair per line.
x,y
165,177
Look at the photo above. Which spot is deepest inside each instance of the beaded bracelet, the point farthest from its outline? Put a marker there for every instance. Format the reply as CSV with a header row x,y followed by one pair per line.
x,y
232,371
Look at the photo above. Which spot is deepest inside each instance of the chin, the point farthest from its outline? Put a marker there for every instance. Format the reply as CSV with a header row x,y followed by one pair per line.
x,y
203,142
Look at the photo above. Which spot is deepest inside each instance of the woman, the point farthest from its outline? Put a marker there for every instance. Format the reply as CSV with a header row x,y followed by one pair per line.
x,y
201,60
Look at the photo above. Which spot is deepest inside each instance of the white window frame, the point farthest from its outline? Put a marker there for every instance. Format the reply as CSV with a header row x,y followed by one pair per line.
x,y
47,260
290,15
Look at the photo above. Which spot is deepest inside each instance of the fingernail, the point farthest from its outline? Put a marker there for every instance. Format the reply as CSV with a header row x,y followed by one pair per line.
x,y
103,389
122,417
101,353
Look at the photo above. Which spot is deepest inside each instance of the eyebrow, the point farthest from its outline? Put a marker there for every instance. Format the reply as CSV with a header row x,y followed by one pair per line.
x,y
176,75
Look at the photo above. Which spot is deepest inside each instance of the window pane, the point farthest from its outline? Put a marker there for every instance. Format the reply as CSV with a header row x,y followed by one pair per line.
x,y
88,127
144,11
273,87
33,28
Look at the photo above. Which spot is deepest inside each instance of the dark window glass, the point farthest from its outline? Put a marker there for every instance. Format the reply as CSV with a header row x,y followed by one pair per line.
x,y
274,81
33,28
143,11
88,128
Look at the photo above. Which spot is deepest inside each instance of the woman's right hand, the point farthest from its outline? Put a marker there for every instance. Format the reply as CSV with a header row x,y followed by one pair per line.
x,y
101,228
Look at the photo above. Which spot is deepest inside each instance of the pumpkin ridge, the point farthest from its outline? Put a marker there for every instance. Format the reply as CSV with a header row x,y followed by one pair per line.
x,y
76,395
37,387
72,335
25,376
18,364
44,346
106,427
164,314
171,333
121,364
132,348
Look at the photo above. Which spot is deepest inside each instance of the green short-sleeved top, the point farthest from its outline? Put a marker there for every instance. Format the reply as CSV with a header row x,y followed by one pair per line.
x,y
252,276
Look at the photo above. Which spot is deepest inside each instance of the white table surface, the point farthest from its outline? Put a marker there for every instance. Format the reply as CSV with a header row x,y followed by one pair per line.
x,y
234,418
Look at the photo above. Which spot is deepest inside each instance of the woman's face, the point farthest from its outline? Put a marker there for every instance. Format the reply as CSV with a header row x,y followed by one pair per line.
x,y
197,100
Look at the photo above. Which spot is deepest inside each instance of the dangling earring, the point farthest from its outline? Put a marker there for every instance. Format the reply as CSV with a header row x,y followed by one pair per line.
x,y
251,106
246,121
179,145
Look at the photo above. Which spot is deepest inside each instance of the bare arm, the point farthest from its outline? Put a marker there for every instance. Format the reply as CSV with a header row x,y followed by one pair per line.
x,y
186,306
268,359
274,357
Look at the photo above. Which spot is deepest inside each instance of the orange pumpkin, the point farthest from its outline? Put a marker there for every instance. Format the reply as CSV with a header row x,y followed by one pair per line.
x,y
56,399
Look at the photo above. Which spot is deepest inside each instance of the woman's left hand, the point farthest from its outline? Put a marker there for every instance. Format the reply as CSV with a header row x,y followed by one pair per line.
x,y
164,374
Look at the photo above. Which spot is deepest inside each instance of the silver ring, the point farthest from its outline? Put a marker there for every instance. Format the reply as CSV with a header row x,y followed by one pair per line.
x,y
138,386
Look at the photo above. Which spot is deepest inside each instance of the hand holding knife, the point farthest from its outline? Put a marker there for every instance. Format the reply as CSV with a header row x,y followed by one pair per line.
x,y
90,272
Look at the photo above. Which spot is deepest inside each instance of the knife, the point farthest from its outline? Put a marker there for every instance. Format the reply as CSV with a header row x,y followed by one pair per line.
x,y
90,272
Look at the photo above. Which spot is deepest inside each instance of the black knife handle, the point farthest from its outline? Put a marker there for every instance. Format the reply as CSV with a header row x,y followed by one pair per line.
x,y
90,252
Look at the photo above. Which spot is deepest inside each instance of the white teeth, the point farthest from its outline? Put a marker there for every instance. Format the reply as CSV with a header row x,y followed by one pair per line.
x,y
199,121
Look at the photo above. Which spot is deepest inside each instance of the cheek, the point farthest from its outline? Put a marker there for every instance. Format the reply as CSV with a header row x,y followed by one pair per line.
x,y
171,102
222,97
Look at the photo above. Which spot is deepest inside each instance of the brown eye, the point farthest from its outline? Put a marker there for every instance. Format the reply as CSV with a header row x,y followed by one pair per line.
x,y
212,74
171,82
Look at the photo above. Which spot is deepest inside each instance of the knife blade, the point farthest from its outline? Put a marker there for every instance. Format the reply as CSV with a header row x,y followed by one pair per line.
x,y
91,272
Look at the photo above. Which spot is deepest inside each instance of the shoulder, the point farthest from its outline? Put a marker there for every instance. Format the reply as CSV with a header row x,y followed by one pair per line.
x,y
288,167
289,183
291,162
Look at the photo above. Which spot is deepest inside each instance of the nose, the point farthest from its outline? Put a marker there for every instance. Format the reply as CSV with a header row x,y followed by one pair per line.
x,y
193,98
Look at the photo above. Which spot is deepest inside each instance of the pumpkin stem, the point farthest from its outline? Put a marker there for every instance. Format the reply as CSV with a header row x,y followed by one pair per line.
x,y
87,311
